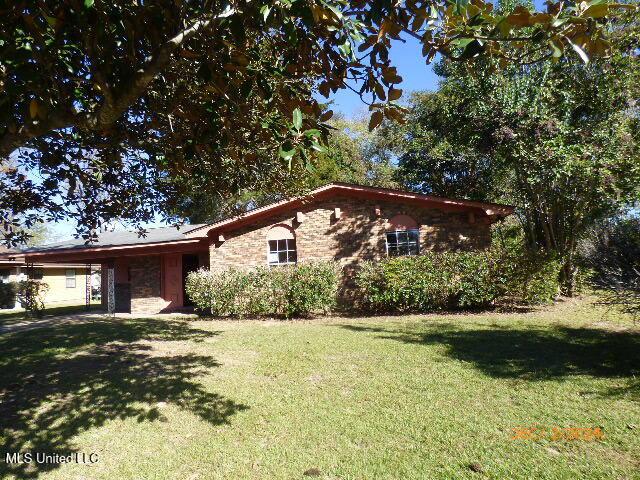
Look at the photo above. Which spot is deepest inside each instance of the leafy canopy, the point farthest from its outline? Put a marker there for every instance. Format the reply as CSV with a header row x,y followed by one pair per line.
x,y
118,109
559,140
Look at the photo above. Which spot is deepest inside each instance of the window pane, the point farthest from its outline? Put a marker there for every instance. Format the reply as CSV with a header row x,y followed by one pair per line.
x,y
414,235
273,245
402,237
282,245
292,256
291,244
36,274
273,257
391,239
282,257
403,249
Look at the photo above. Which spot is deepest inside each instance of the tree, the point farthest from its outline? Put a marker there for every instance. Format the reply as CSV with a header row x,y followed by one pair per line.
x,y
118,109
352,154
558,139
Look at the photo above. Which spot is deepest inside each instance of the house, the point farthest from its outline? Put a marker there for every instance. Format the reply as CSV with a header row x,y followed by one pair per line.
x,y
338,221
67,283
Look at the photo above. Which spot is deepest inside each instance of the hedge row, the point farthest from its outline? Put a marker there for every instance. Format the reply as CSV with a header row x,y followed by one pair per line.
x,y
433,281
439,281
289,291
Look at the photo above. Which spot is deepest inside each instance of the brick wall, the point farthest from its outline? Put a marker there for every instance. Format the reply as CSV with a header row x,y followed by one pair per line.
x,y
358,234
146,291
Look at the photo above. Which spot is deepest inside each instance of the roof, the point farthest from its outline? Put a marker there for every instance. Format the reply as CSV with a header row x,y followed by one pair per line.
x,y
165,236
115,239
495,211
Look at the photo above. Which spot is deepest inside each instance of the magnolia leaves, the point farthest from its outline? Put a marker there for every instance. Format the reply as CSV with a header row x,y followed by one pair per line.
x,y
302,142
467,29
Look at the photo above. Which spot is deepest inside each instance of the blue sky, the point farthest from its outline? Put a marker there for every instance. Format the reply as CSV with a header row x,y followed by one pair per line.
x,y
415,73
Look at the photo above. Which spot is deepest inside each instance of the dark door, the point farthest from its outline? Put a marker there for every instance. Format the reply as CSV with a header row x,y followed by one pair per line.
x,y
189,264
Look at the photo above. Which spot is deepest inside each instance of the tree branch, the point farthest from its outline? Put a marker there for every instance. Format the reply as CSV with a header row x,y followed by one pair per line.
x,y
113,105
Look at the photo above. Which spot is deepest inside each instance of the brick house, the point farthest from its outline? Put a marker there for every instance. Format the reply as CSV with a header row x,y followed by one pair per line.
x,y
342,222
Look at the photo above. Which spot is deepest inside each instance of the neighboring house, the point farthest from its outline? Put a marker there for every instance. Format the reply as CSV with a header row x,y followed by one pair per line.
x,y
66,282
342,222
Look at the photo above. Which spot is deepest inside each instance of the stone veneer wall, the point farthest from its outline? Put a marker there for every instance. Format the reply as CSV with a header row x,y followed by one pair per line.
x,y
359,233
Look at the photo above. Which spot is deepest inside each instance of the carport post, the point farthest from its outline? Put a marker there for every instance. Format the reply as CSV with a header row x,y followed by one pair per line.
x,y
88,284
111,291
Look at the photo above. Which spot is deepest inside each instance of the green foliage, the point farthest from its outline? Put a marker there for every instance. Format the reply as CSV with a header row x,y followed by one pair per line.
x,y
288,291
454,280
125,109
526,277
559,140
433,281
8,293
31,295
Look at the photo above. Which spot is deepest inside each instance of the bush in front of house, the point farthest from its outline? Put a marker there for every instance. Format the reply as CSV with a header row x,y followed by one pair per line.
x,y
431,281
529,278
8,292
456,280
31,295
288,291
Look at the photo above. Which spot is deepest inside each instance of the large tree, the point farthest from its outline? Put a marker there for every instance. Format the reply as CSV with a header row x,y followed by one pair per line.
x,y
560,140
351,154
117,109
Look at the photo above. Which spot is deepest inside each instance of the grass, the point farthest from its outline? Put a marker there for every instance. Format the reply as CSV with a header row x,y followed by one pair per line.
x,y
386,397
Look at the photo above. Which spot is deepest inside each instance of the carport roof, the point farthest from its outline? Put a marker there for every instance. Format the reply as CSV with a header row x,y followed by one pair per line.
x,y
121,238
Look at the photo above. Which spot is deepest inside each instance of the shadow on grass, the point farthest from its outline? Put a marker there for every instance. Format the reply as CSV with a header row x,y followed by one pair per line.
x,y
536,354
61,381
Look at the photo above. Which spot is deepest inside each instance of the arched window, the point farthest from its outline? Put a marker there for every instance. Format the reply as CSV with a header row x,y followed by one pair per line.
x,y
403,236
281,241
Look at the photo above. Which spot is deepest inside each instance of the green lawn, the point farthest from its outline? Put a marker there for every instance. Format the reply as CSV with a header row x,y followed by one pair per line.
x,y
389,397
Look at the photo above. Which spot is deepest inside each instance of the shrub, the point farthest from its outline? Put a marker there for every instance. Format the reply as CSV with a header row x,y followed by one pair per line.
x,y
8,293
453,280
432,281
282,291
526,277
31,295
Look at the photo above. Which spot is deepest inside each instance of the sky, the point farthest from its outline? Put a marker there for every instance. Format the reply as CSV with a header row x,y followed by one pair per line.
x,y
415,73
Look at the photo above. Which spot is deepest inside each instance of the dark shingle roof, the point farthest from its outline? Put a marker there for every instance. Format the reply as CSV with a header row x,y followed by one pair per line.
x,y
112,239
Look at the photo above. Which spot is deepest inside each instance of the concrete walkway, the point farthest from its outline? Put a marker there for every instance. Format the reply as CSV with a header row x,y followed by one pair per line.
x,y
25,324
32,323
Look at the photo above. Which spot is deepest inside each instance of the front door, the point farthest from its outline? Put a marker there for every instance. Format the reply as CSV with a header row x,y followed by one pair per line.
x,y
190,263
173,280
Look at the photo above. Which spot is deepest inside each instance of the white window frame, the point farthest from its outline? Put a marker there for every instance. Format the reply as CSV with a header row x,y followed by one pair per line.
x,y
277,252
409,243
67,277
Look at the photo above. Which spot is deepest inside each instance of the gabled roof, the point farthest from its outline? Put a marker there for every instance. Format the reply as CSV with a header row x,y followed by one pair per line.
x,y
171,237
494,211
